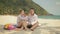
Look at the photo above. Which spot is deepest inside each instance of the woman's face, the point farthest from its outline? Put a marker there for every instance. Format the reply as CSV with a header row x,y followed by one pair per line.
x,y
22,12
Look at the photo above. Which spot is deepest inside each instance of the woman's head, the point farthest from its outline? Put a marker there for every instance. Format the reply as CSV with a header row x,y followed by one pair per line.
x,y
22,12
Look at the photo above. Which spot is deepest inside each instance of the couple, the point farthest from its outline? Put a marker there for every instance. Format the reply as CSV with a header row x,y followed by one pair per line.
x,y
29,21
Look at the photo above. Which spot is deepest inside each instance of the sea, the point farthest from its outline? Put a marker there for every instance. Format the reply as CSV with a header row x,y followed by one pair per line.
x,y
50,17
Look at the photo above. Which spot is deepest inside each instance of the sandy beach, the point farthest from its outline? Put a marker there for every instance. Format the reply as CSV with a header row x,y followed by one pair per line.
x,y
13,19
6,19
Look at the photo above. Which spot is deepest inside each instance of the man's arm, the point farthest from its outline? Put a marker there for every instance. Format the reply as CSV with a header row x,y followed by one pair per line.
x,y
35,19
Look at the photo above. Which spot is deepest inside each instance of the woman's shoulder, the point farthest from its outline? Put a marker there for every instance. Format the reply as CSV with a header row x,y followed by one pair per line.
x,y
18,15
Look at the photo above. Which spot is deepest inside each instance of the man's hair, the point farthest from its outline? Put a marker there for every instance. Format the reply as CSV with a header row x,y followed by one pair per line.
x,y
31,8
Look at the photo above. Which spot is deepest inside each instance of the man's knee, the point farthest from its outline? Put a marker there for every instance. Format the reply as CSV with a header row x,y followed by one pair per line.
x,y
36,23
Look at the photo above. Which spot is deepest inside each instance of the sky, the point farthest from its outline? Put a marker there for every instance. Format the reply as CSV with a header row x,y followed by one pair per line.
x,y
51,6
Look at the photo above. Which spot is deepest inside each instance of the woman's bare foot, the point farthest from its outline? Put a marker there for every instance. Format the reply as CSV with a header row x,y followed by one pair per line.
x,y
25,29
17,29
21,28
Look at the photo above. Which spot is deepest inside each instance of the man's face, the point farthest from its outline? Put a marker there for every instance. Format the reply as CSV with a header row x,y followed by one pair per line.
x,y
31,11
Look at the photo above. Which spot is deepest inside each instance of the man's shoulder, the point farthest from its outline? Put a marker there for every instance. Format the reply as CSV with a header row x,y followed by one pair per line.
x,y
35,15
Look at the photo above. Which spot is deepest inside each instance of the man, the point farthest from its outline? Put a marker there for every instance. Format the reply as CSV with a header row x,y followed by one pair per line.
x,y
32,20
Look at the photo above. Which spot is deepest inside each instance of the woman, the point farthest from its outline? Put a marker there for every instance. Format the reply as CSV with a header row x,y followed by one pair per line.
x,y
22,20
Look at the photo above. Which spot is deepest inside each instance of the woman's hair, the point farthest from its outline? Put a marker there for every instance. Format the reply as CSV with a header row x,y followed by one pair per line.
x,y
21,10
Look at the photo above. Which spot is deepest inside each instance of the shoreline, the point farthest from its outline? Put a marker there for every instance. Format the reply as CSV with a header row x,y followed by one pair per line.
x,y
6,19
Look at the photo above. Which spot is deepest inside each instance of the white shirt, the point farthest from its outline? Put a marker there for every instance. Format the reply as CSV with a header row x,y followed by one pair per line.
x,y
21,18
32,19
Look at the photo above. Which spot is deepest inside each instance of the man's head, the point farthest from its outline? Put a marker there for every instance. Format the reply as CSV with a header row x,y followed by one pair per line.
x,y
31,11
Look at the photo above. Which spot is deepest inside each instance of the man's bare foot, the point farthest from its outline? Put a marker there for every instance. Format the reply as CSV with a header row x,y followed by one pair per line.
x,y
32,29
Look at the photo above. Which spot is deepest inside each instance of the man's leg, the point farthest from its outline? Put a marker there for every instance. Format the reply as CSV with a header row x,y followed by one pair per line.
x,y
34,26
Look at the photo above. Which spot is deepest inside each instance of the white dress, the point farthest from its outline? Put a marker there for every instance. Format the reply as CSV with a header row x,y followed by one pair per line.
x,y
22,18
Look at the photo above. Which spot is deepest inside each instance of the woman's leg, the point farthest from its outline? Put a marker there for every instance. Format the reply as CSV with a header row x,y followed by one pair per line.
x,y
25,25
19,25
22,25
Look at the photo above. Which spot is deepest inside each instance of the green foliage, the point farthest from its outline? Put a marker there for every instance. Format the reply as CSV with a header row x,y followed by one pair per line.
x,y
12,7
